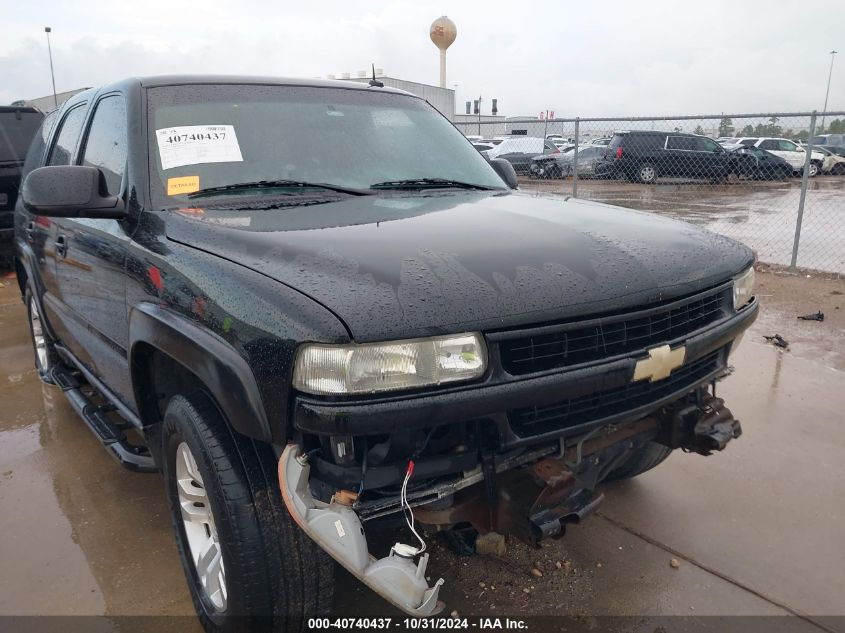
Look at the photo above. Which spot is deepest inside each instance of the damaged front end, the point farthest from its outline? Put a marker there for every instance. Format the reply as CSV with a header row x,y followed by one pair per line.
x,y
528,492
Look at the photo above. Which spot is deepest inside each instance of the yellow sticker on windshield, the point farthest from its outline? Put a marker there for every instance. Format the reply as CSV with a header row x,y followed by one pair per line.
x,y
183,184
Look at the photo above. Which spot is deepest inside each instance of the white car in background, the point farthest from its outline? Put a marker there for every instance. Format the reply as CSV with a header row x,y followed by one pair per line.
x,y
791,152
833,163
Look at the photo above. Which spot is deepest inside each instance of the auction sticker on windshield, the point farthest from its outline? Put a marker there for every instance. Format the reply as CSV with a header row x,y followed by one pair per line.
x,y
197,144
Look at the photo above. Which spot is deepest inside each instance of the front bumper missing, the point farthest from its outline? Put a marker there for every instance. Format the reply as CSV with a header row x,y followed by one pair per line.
x,y
336,528
532,501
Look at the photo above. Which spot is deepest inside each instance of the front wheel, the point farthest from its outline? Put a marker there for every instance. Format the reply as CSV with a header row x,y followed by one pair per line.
x,y
814,170
248,566
639,461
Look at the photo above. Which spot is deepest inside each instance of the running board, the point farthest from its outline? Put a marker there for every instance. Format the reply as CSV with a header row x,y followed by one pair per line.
x,y
110,433
336,528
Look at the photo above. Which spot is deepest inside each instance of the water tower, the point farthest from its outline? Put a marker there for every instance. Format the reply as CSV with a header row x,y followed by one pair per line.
x,y
443,33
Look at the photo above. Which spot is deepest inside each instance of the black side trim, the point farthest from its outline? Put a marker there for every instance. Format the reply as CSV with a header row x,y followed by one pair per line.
x,y
217,364
111,435
99,385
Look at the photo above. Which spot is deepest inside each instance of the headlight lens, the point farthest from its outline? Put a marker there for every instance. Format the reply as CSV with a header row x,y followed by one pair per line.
x,y
743,288
374,367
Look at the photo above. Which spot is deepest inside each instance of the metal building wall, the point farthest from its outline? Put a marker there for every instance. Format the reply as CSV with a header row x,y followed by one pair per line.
x,y
441,98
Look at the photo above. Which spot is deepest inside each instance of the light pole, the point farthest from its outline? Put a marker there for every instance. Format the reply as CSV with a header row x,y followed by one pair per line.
x,y
47,30
827,92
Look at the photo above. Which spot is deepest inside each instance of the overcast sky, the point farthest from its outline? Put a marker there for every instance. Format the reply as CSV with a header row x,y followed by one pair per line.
x,y
582,57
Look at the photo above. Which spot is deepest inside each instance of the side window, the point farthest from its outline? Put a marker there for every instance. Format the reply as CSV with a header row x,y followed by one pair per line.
x,y
706,145
769,145
105,146
681,142
748,142
39,142
787,146
69,130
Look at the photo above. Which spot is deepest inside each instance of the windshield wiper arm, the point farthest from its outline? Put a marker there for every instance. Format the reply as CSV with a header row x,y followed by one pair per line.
x,y
428,183
268,184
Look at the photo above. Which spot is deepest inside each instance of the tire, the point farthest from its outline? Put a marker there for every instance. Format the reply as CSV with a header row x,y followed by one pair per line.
x,y
646,173
43,348
272,575
814,170
642,459
838,169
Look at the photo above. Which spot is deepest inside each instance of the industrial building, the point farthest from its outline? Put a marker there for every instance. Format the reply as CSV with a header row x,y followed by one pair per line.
x,y
441,98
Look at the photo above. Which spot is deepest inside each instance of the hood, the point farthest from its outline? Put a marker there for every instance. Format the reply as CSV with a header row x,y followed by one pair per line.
x,y
406,266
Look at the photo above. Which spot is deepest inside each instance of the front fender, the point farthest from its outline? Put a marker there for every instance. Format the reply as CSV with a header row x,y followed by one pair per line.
x,y
217,364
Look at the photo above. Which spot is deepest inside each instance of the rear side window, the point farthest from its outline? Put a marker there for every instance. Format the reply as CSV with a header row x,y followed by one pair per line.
x,y
645,141
68,134
769,144
682,142
617,141
105,147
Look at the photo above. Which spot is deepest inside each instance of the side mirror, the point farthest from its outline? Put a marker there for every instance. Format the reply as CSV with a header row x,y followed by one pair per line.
x,y
505,171
69,191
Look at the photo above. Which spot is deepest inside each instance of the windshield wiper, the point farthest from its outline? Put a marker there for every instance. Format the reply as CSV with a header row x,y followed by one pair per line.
x,y
428,183
269,184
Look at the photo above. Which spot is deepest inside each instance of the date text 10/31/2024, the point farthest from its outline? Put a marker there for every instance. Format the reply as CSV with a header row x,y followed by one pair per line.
x,y
450,623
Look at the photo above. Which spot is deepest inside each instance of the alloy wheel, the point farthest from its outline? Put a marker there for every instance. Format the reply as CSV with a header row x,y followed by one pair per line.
x,y
199,528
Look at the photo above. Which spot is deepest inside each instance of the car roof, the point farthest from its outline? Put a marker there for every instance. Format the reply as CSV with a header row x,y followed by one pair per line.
x,y
23,109
181,80
657,133
156,81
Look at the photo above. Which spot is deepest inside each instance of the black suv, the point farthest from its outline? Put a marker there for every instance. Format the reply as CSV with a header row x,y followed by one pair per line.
x,y
307,338
17,127
646,156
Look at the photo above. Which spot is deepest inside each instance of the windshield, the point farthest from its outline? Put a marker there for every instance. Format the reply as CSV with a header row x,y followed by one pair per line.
x,y
211,136
16,131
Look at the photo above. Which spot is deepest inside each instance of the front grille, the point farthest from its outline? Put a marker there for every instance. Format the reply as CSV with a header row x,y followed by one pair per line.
x,y
611,336
601,404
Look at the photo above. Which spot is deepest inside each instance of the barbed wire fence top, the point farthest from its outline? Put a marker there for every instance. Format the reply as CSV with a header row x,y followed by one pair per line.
x,y
747,176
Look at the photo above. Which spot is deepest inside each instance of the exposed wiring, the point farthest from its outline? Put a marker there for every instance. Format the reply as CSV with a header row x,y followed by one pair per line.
x,y
406,507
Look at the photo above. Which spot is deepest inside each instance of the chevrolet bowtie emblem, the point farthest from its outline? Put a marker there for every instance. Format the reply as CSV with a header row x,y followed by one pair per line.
x,y
660,363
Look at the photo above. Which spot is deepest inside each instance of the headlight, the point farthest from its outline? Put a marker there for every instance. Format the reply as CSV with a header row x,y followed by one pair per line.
x,y
743,288
373,367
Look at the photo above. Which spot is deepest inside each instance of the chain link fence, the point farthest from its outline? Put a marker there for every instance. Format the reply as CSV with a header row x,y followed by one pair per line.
x,y
747,176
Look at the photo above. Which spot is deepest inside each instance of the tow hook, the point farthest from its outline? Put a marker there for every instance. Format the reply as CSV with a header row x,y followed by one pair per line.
x,y
703,427
336,528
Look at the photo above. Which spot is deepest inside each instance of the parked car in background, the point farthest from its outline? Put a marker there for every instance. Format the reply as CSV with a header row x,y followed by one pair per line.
x,y
604,141
17,127
788,150
519,150
753,162
836,149
645,156
727,140
482,147
829,139
563,164
832,163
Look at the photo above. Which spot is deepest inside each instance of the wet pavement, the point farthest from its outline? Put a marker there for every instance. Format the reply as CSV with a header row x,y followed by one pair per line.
x,y
761,214
756,530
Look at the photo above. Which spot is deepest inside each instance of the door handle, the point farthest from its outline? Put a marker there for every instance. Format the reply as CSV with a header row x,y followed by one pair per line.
x,y
61,246
29,230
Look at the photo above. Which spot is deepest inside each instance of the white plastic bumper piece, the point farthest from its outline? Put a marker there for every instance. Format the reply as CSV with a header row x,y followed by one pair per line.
x,y
338,530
